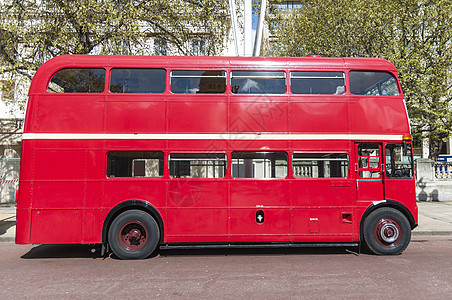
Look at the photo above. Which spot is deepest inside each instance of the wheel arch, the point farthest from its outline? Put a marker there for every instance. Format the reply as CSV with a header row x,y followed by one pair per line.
x,y
128,205
387,203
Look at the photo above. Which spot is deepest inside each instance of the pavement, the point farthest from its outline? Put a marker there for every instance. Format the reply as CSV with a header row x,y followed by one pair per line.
x,y
435,218
7,223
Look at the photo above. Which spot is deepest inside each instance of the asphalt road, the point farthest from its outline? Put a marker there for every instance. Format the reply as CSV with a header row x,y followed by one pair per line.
x,y
53,271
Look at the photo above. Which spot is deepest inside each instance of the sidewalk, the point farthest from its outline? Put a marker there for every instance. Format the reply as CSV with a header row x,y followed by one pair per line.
x,y
435,218
7,223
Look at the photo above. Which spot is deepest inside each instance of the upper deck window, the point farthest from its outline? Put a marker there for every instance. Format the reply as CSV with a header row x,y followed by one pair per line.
x,y
138,81
373,83
258,82
302,82
198,82
78,81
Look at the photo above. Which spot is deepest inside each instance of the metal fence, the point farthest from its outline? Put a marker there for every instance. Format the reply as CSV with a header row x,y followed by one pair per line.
x,y
9,179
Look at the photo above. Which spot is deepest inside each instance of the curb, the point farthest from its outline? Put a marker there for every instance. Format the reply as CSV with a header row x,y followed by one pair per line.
x,y
6,239
413,234
437,233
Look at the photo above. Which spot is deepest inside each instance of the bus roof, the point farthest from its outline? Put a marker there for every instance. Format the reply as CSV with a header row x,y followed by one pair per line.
x,y
49,68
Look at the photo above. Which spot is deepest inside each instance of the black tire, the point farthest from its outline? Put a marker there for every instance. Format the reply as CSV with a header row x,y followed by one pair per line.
x,y
386,231
134,234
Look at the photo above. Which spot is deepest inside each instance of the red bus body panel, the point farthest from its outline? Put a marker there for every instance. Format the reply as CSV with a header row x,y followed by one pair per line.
x,y
65,195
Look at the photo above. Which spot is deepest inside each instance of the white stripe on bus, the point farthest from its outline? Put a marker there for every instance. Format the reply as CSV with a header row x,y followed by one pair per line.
x,y
208,136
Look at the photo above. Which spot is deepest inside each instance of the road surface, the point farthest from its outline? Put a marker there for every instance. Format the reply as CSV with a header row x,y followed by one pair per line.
x,y
424,270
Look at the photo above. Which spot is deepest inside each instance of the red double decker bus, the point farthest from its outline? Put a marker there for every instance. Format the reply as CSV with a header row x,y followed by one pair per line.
x,y
137,153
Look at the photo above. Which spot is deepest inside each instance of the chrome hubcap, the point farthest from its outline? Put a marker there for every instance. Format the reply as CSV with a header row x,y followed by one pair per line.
x,y
389,233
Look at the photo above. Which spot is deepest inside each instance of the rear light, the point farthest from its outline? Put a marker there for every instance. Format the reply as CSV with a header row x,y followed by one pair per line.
x,y
17,196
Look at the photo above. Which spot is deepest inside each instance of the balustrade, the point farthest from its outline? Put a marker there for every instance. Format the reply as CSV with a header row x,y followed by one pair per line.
x,y
443,170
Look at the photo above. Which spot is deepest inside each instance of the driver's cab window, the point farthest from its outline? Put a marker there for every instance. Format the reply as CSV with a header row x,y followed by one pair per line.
x,y
398,160
369,161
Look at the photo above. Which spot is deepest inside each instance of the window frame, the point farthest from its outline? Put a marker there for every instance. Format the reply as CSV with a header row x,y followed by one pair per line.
x,y
105,80
411,162
160,47
161,164
282,76
225,163
371,170
293,76
287,163
133,68
378,83
224,75
347,159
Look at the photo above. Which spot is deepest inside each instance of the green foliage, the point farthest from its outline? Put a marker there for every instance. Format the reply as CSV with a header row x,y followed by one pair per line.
x,y
33,31
415,35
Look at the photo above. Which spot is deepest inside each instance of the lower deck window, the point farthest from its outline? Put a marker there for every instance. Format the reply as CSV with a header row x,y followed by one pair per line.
x,y
369,161
398,161
135,164
259,164
197,165
320,165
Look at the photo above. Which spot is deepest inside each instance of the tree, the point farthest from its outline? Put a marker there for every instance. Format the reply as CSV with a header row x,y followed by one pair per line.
x,y
33,31
415,35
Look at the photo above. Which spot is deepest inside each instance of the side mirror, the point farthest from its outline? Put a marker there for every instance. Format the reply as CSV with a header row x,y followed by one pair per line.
x,y
406,146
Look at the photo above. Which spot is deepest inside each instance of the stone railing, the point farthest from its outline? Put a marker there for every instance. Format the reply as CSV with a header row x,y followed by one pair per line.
x,y
302,171
443,170
433,180
9,179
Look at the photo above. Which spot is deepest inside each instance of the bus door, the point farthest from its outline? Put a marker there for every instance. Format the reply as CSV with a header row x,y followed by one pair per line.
x,y
368,168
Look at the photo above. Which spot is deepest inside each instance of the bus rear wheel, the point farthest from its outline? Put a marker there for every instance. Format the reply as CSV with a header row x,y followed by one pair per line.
x,y
133,234
386,231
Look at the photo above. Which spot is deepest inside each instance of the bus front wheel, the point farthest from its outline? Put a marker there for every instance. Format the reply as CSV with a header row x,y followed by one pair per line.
x,y
133,234
386,231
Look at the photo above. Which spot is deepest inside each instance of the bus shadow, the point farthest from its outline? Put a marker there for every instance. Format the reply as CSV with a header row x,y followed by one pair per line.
x,y
93,252
63,251
5,225
260,251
